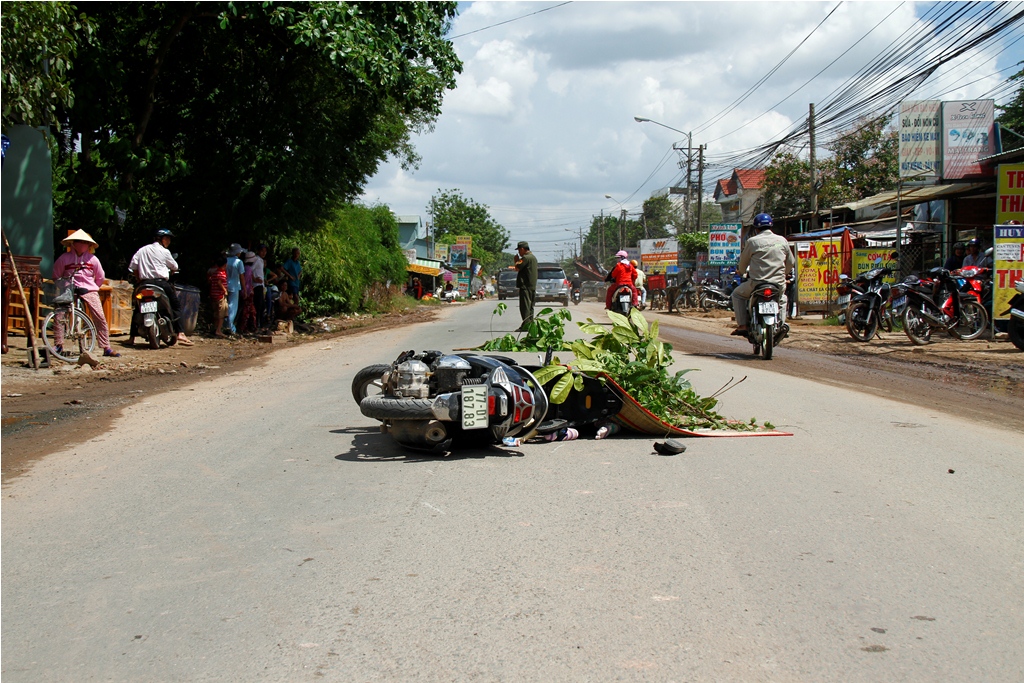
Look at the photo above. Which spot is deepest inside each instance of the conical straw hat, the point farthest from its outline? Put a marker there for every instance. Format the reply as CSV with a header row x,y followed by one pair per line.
x,y
78,236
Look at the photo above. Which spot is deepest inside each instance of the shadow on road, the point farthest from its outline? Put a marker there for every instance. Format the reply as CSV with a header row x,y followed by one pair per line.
x,y
369,445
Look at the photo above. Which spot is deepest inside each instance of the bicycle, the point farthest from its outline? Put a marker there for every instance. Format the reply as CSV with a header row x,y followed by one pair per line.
x,y
68,332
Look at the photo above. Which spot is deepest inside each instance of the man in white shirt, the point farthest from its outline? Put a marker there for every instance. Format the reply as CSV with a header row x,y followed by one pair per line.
x,y
153,264
259,285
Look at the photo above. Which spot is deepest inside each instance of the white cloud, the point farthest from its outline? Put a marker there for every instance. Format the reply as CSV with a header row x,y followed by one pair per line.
x,y
541,125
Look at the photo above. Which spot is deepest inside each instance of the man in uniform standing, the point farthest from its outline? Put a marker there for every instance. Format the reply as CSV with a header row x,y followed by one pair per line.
x,y
526,281
770,259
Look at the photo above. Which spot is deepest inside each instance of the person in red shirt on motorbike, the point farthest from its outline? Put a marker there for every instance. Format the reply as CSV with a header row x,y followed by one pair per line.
x,y
622,274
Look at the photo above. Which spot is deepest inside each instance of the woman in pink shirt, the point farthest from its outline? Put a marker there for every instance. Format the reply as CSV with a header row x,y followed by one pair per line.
x,y
86,273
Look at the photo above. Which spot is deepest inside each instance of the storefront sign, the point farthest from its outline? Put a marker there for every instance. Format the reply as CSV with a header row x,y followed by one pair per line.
x,y
463,284
724,244
817,266
968,134
441,252
467,240
656,256
458,255
1008,260
1010,195
920,138
868,259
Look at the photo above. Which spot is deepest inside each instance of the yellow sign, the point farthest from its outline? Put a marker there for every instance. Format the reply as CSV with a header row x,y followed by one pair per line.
x,y
1010,194
467,240
867,259
1009,266
817,268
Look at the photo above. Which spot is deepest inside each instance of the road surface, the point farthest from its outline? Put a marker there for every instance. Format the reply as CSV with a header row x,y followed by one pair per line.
x,y
259,527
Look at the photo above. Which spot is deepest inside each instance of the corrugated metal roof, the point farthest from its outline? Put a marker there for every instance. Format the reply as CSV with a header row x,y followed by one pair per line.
x,y
914,195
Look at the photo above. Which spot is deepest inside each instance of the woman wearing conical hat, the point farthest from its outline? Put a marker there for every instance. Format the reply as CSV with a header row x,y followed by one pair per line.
x,y
86,272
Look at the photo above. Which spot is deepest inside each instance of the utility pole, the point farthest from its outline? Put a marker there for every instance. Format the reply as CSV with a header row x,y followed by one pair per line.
x,y
600,239
689,180
814,182
622,229
700,186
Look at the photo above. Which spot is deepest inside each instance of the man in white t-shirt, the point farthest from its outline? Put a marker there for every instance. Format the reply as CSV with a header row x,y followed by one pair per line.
x,y
153,264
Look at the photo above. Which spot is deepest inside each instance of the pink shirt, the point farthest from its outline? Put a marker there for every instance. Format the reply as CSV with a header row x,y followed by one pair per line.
x,y
89,278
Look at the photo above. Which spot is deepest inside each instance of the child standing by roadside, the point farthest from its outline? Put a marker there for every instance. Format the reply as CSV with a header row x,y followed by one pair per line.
x,y
218,278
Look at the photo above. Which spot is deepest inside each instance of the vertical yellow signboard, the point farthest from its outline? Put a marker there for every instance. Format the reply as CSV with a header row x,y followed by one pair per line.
x,y
1010,194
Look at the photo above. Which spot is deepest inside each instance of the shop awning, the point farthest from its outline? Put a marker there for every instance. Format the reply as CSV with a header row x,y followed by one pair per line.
x,y
916,195
425,266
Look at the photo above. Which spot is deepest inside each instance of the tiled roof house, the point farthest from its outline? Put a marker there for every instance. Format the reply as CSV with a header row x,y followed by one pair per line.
x,y
739,195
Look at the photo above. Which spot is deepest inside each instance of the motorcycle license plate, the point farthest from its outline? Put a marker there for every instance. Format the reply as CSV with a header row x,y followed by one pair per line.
x,y
147,307
474,406
843,300
898,304
625,298
768,307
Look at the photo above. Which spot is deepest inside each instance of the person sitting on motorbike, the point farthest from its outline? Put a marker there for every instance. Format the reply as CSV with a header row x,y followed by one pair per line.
x,y
975,257
769,258
622,274
153,265
640,282
956,259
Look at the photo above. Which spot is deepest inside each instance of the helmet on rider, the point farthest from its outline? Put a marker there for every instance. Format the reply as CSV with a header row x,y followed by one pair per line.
x,y
162,233
621,253
633,263
974,242
959,245
763,220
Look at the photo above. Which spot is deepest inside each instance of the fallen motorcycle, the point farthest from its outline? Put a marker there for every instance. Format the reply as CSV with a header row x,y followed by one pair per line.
x,y
432,401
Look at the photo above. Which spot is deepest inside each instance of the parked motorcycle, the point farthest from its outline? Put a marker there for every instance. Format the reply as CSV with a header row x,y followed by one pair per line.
x,y
688,296
765,329
715,296
1015,328
878,306
152,316
943,308
431,401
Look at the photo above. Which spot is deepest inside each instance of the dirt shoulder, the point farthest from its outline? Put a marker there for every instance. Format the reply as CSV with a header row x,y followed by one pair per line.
x,y
50,409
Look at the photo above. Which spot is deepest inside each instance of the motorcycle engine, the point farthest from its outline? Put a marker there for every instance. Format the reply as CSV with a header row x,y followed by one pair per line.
x,y
412,379
450,371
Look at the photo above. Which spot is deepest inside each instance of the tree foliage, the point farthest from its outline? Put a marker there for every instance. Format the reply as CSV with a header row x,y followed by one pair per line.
x,y
1011,115
661,217
40,41
864,162
452,214
355,249
242,122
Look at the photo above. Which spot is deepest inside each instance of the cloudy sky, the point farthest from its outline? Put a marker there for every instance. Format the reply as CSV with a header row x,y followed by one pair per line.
x,y
541,126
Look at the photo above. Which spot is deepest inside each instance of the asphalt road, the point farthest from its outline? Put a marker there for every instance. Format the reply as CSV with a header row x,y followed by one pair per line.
x,y
260,528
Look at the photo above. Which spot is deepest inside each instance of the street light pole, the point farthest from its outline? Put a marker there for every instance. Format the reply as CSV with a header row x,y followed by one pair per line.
x,y
689,165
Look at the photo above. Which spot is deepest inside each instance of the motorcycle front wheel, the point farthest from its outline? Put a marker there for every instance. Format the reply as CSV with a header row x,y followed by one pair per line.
x,y
860,321
367,381
917,328
973,321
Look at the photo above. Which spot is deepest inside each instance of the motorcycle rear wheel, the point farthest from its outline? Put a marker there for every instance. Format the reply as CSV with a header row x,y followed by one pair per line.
x,y
916,327
368,379
1016,332
973,321
769,343
857,321
396,408
153,336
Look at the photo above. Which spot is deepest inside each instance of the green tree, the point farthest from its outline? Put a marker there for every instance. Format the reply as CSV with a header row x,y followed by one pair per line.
x,y
864,162
787,187
1011,115
243,121
662,217
452,215
40,41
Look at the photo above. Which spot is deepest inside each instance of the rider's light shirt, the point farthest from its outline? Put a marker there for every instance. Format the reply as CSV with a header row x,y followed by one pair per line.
x,y
153,262
769,257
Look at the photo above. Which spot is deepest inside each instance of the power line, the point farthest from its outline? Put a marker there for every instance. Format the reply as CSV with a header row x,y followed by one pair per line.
x,y
509,21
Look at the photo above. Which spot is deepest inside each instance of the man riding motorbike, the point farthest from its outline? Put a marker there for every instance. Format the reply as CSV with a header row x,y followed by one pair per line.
x,y
153,264
622,274
769,259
